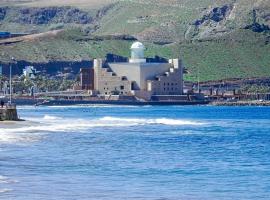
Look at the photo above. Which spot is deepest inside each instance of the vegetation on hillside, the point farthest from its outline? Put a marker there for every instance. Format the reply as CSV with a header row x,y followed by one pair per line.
x,y
220,40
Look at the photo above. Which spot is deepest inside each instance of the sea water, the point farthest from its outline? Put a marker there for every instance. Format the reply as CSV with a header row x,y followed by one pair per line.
x,y
128,152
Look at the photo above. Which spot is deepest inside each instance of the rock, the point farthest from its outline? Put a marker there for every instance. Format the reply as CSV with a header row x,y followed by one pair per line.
x,y
216,14
49,15
256,27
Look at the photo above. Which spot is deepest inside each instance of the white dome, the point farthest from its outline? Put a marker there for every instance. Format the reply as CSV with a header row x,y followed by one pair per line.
x,y
137,45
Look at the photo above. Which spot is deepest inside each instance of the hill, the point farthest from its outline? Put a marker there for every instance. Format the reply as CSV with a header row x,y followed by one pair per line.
x,y
225,39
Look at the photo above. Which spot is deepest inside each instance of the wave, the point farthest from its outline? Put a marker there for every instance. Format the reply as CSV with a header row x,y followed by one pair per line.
x,y
6,180
5,190
50,117
144,121
38,128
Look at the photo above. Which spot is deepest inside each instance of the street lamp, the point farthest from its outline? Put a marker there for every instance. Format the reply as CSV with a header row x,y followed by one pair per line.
x,y
10,80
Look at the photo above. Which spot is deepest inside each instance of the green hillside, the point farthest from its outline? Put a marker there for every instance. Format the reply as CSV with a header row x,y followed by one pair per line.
x,y
227,39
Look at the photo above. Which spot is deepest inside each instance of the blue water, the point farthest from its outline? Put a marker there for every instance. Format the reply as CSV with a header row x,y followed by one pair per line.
x,y
147,153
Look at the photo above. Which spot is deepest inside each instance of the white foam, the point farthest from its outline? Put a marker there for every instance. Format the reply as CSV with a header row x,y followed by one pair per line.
x,y
5,190
6,180
35,130
2,179
144,121
49,117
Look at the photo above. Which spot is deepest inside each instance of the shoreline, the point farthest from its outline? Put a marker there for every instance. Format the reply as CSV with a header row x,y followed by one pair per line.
x,y
42,102
240,103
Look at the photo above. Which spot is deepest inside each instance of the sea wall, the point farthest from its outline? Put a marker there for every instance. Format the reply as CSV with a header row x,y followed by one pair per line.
x,y
8,114
241,103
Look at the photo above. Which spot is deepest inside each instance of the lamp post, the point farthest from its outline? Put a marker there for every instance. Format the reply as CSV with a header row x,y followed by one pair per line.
x,y
198,78
10,80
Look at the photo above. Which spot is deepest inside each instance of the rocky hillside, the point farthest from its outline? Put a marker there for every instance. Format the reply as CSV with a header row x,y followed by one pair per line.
x,y
224,39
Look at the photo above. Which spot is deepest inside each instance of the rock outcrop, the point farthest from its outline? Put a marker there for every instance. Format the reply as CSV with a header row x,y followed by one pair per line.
x,y
40,16
216,15
258,27
211,24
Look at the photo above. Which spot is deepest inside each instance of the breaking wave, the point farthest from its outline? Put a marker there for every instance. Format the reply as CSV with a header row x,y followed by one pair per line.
x,y
5,190
49,117
36,128
164,121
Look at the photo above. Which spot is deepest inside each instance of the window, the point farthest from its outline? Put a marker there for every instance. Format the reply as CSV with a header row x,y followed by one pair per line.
x,y
122,87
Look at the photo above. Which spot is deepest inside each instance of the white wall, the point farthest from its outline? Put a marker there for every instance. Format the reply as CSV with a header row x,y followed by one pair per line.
x,y
139,72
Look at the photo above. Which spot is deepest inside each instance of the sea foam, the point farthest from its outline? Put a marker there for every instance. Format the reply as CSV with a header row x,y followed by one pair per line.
x,y
37,128
5,190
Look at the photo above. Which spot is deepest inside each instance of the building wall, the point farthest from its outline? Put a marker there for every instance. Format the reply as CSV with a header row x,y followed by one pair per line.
x,y
139,73
149,71
170,83
107,82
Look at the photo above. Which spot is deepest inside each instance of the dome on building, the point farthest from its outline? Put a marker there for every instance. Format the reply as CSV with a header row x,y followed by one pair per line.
x,y
137,45
137,53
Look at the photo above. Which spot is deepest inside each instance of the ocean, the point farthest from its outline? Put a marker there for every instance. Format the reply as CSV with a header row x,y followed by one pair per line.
x,y
136,152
